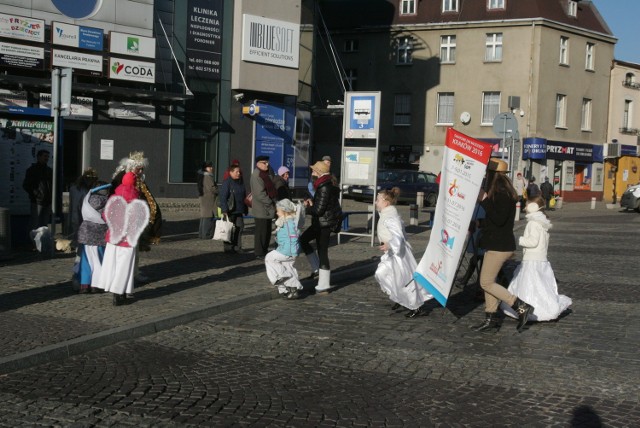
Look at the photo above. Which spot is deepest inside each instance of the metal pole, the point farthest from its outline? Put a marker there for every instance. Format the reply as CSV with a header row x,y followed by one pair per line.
x,y
504,133
55,110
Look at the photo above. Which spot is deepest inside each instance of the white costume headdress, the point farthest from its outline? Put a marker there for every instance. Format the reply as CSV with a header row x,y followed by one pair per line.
x,y
135,160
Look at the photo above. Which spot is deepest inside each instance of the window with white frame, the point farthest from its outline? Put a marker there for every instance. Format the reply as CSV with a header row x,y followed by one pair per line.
x,y
629,79
407,7
564,50
495,4
448,49
588,59
585,122
572,8
402,110
490,107
351,45
561,111
405,49
350,79
626,114
493,50
445,108
449,5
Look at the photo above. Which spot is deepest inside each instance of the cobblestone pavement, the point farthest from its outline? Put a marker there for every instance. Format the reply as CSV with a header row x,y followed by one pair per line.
x,y
345,359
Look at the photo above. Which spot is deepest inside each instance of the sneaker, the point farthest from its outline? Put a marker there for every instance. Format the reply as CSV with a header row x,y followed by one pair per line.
x,y
282,280
293,293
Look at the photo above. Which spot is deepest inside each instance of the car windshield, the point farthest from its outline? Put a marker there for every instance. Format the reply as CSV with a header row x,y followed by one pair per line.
x,y
389,176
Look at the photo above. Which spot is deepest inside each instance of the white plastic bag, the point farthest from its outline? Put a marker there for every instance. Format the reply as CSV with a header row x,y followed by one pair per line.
x,y
224,230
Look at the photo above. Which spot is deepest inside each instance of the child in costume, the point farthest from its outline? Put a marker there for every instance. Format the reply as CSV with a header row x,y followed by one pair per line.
x,y
534,281
279,262
91,238
126,216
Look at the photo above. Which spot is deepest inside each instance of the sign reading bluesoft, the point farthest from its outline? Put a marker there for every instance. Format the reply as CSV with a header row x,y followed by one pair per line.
x,y
269,41
204,39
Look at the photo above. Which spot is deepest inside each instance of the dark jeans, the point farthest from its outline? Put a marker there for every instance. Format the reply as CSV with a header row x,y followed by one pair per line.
x,y
235,243
207,226
321,235
40,215
262,236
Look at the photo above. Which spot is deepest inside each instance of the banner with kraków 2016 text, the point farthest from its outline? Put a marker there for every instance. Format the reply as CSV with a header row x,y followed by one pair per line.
x,y
463,167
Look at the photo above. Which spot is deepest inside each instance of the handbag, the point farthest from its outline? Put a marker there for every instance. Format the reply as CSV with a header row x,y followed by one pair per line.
x,y
552,202
224,230
248,200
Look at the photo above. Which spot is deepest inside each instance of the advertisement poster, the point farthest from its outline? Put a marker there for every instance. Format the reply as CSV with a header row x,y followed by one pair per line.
x,y
204,39
20,140
274,135
463,167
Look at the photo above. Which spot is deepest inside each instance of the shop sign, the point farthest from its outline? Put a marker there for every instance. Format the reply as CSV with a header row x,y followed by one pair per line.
x,y
204,38
270,41
13,98
137,71
628,150
77,36
77,61
21,56
132,44
131,111
81,107
22,28
569,151
534,148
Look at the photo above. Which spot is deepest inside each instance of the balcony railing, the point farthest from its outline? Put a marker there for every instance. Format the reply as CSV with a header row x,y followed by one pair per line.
x,y
629,131
630,84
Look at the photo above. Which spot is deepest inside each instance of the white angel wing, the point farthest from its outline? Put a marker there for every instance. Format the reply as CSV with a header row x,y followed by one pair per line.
x,y
115,214
136,220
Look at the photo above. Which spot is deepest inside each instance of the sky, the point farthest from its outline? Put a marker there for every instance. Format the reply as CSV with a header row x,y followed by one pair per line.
x,y
622,17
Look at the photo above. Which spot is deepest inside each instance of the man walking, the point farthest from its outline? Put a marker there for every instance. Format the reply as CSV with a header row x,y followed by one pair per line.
x,y
263,205
38,183
546,189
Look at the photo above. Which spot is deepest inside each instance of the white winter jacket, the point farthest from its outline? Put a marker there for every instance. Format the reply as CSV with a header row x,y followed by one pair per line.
x,y
535,241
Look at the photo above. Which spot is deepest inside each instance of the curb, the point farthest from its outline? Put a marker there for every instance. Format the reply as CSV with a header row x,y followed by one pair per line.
x,y
82,344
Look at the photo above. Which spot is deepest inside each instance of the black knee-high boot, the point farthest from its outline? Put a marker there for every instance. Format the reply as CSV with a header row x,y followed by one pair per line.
x,y
490,323
523,310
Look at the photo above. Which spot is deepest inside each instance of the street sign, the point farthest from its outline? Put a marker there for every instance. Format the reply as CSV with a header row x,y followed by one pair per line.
x,y
505,125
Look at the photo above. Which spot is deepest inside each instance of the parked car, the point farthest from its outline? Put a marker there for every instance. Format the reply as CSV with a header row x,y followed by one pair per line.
x,y
631,198
409,182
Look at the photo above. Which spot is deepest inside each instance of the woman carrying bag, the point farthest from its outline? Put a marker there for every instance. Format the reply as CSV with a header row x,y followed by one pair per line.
x,y
232,204
208,191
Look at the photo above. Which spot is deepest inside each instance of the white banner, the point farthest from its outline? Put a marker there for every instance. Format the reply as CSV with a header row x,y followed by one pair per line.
x,y
81,107
126,69
132,44
463,167
77,60
131,111
22,28
13,98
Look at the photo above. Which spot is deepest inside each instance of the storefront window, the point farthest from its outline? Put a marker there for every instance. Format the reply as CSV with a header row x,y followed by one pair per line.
x,y
582,177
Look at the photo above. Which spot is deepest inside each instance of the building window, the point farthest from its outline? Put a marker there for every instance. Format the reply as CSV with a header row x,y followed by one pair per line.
x,y
449,5
445,108
490,107
495,4
493,47
402,110
572,8
408,7
564,50
448,49
351,79
561,111
626,115
588,63
351,45
585,123
405,48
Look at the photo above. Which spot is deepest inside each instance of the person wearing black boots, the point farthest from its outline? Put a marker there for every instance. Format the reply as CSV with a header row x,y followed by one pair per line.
x,y
498,198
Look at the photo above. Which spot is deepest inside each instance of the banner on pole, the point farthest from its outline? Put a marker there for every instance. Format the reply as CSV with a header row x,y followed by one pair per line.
x,y
463,167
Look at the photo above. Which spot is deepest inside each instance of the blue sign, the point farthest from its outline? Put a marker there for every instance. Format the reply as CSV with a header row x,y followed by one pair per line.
x,y
78,9
534,148
274,134
363,112
91,38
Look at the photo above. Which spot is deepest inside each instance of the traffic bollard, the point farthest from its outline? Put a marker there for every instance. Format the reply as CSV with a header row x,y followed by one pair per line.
x,y
593,203
420,199
517,211
413,214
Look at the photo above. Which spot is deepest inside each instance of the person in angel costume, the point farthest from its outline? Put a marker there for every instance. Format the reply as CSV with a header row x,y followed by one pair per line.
x,y
127,216
534,281
397,264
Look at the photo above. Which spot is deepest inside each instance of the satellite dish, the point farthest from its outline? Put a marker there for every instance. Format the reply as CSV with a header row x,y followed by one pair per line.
x,y
465,117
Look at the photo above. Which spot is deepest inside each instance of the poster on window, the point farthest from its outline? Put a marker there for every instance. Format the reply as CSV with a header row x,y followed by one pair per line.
x,y
463,167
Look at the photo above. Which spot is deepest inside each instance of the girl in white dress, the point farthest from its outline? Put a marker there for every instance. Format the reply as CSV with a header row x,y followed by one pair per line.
x,y
397,264
534,281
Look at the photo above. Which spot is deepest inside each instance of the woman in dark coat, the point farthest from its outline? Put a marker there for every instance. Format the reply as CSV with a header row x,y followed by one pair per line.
x,y
499,243
208,192
232,204
326,217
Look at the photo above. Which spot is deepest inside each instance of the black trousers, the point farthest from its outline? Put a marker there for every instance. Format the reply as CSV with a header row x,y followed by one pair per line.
x,y
321,236
235,243
262,236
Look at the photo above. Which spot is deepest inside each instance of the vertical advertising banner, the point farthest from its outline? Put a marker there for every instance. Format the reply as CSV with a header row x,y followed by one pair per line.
x,y
204,39
274,135
463,167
